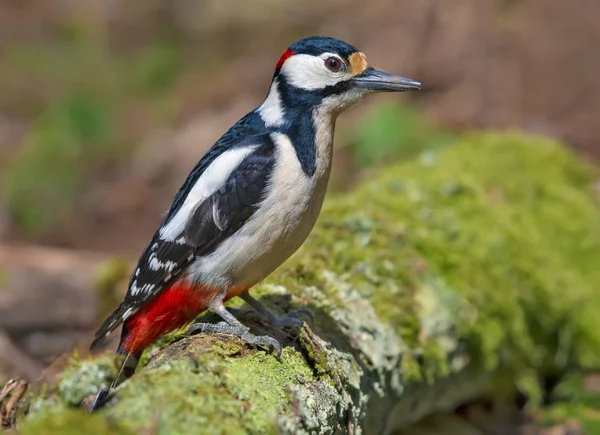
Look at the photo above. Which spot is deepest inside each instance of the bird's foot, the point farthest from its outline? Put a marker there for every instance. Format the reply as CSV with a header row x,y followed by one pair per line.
x,y
300,312
290,320
239,331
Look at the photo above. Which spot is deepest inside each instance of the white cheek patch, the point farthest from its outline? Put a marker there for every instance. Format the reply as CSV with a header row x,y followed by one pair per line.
x,y
309,72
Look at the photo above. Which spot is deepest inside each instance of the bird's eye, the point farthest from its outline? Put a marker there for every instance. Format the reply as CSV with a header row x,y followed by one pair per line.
x,y
333,64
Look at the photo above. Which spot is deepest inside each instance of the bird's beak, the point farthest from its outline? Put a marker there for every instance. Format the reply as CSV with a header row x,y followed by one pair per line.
x,y
376,80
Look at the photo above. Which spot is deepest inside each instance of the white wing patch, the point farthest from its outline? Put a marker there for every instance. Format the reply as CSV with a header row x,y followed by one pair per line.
x,y
155,264
216,218
146,288
208,183
271,111
127,313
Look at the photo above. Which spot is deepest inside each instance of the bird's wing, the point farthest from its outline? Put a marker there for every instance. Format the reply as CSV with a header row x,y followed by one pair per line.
x,y
235,182
225,211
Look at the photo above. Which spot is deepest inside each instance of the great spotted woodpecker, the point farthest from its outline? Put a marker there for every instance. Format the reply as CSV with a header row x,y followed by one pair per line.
x,y
248,204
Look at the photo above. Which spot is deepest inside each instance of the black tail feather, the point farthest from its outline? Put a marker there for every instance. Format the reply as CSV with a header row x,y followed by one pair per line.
x,y
111,323
100,400
126,371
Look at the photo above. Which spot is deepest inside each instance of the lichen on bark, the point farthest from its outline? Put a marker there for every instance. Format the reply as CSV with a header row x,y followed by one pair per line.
x,y
433,279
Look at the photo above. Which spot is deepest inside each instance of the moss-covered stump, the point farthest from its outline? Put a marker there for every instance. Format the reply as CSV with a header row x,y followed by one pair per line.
x,y
467,272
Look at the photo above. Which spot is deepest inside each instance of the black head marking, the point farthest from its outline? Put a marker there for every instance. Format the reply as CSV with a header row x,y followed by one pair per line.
x,y
299,104
317,45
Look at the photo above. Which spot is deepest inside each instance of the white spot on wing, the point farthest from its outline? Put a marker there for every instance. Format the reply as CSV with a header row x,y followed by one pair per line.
x,y
155,264
134,290
215,215
209,182
270,110
127,313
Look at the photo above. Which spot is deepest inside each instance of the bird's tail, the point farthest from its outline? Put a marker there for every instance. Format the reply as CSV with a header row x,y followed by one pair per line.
x,y
126,371
170,309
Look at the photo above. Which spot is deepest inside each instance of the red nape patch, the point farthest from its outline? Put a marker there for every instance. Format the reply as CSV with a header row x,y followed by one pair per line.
x,y
285,56
171,309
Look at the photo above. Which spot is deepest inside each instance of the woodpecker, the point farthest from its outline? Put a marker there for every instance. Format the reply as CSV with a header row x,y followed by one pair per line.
x,y
248,204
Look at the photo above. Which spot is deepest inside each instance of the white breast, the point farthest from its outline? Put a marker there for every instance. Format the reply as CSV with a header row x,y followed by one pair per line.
x,y
279,226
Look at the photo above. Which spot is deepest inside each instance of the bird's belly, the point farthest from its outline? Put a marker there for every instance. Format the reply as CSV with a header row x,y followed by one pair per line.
x,y
275,244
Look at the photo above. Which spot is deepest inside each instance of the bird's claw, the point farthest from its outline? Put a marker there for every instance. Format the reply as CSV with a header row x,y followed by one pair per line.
x,y
287,321
291,319
263,340
241,332
301,311
197,328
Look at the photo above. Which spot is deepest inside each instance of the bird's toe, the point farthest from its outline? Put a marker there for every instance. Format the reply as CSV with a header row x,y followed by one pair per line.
x,y
262,340
197,328
301,312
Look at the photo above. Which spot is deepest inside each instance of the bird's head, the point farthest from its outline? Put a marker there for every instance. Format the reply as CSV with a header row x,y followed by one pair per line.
x,y
327,72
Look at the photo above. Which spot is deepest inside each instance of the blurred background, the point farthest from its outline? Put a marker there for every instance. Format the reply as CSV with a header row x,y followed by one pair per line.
x,y
105,105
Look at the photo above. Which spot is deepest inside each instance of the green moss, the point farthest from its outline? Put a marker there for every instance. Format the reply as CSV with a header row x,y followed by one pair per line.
x,y
178,396
504,227
316,355
83,378
476,258
72,422
213,393
263,383
572,400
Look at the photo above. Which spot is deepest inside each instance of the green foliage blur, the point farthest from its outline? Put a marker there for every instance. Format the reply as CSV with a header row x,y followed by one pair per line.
x,y
392,132
573,400
76,92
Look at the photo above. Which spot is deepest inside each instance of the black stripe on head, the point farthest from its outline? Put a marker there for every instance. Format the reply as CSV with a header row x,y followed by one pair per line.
x,y
299,103
294,98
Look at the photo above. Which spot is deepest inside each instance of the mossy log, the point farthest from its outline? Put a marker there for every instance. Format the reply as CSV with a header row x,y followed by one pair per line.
x,y
467,272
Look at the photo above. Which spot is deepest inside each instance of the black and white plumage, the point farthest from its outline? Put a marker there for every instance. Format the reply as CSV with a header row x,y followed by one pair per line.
x,y
195,227
253,198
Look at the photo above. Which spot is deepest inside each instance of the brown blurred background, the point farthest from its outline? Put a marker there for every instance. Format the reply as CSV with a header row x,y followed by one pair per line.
x,y
106,105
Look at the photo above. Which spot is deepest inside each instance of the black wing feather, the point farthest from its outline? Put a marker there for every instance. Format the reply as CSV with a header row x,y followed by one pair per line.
x,y
224,212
